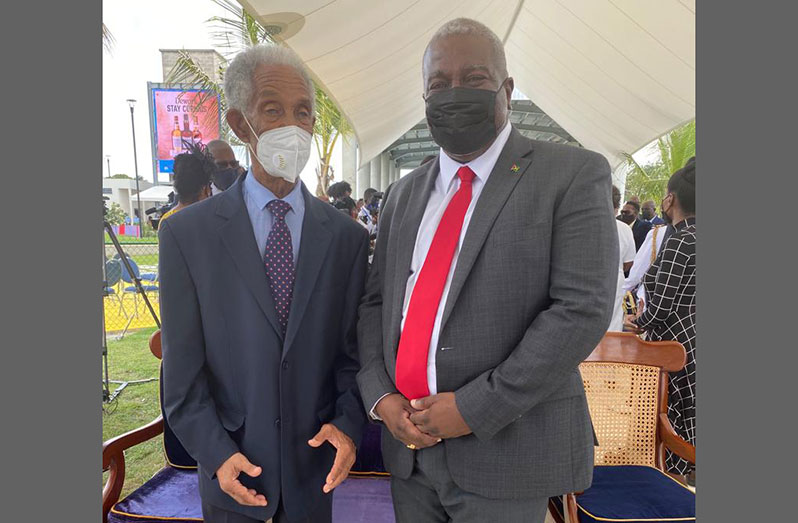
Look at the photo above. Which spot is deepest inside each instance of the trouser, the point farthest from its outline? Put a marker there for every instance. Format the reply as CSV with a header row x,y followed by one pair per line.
x,y
212,514
430,495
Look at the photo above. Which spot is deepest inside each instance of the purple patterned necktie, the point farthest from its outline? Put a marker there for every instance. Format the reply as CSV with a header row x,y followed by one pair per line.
x,y
279,260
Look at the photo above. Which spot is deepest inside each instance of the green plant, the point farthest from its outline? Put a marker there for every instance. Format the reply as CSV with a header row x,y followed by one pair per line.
x,y
115,216
649,181
233,33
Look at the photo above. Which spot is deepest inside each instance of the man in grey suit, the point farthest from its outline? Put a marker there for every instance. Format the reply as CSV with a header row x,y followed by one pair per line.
x,y
493,278
259,293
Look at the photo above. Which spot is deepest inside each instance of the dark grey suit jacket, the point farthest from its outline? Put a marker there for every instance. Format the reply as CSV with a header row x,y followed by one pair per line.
x,y
231,383
531,297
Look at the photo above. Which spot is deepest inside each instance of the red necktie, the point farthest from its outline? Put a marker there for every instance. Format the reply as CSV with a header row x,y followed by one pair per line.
x,y
411,358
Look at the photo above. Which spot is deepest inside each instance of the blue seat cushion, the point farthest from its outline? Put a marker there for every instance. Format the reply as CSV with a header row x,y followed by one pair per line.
x,y
635,494
172,495
363,500
368,461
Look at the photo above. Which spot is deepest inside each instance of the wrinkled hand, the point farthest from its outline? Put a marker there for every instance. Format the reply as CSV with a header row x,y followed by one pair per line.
x,y
227,474
344,454
439,416
395,411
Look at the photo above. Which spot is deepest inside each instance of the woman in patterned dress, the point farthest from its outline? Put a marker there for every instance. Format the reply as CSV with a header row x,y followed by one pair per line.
x,y
670,313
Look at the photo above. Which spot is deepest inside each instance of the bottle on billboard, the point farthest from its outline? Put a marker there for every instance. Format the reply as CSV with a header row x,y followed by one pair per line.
x,y
186,135
197,135
177,146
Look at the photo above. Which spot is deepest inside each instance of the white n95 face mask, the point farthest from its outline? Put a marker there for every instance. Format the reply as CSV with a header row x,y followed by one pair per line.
x,y
283,152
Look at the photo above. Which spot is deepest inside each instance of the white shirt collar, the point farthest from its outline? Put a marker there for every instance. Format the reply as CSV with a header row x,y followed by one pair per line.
x,y
482,165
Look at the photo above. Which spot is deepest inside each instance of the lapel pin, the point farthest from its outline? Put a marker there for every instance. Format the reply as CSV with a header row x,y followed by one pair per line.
x,y
515,168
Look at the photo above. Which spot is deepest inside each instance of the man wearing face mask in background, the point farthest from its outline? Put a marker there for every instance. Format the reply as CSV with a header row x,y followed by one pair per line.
x,y
649,213
227,167
259,362
630,215
493,277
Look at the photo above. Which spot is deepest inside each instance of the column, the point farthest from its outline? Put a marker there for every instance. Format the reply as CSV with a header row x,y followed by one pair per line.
x,y
376,178
363,181
349,161
386,165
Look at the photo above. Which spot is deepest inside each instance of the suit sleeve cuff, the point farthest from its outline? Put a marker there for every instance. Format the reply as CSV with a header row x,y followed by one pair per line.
x,y
373,412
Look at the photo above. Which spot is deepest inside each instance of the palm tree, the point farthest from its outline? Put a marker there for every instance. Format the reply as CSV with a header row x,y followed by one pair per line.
x,y
649,181
108,39
238,30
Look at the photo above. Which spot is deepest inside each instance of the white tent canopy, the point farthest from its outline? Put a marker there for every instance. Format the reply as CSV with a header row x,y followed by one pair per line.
x,y
615,74
157,193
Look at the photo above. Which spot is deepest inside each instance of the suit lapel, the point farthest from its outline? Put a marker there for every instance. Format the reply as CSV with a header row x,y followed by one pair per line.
x,y
408,231
510,167
315,242
239,239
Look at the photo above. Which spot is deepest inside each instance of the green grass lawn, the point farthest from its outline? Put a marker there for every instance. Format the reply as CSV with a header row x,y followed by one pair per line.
x,y
131,359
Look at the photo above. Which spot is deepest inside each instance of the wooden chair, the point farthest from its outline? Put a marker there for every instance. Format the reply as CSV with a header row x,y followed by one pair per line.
x,y
172,494
626,382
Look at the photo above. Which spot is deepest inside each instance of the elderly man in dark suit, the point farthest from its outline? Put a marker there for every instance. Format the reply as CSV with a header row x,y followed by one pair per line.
x,y
260,361
493,278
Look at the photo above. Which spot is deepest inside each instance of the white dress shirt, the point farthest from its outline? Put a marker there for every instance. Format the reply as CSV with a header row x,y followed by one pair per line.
x,y
626,243
446,185
643,261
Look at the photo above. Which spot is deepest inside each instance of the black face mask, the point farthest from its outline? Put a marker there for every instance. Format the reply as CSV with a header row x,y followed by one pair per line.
x,y
628,219
462,119
224,178
647,214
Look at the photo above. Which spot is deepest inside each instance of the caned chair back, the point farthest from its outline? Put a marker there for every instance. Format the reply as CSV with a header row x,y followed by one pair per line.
x,y
625,381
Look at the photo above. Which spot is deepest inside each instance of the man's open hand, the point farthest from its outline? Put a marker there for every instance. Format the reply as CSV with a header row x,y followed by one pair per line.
x,y
439,416
395,411
227,474
344,454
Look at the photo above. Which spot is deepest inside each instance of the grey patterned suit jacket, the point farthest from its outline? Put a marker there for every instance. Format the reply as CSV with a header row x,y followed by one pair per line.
x,y
531,297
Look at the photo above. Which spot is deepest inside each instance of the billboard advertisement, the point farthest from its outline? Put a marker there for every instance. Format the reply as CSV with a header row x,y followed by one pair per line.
x,y
180,117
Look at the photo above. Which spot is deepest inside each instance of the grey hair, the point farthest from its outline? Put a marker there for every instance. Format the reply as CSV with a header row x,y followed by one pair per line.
x,y
238,78
467,26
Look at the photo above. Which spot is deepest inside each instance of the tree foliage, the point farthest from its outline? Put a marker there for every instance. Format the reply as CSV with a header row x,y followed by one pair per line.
x,y
115,215
649,181
232,33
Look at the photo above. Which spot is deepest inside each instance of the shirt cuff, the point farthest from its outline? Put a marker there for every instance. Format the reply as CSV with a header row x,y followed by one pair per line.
x,y
373,412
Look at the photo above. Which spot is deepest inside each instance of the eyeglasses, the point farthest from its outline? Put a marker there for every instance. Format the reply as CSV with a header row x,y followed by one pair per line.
x,y
222,165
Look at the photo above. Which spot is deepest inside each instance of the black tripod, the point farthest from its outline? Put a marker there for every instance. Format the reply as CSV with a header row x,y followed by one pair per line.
x,y
107,396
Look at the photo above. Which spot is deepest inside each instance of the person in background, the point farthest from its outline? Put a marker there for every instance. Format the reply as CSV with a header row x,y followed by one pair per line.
x,y
227,167
192,179
348,206
648,211
339,190
626,244
630,215
365,215
644,257
671,310
259,363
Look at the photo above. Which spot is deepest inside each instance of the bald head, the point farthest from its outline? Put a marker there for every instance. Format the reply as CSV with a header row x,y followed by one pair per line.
x,y
222,153
466,27
648,210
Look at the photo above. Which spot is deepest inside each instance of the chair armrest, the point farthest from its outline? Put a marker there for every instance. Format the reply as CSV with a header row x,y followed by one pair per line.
x,y
673,441
114,459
